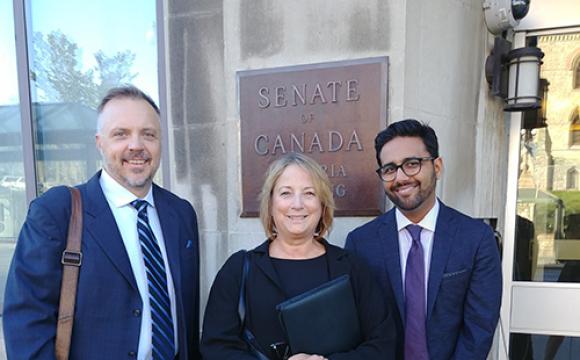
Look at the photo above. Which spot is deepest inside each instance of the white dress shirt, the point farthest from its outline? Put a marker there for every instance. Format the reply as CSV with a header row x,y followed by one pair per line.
x,y
119,199
405,241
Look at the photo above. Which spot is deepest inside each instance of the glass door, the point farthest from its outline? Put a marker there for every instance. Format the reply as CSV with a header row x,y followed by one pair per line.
x,y
544,289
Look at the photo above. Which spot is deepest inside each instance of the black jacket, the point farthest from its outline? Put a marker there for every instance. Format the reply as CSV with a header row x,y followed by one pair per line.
x,y
222,340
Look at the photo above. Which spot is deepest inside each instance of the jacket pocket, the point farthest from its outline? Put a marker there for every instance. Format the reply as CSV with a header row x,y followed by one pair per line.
x,y
454,274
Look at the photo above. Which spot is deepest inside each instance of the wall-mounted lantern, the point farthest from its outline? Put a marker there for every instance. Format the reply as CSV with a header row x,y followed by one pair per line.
x,y
514,75
524,79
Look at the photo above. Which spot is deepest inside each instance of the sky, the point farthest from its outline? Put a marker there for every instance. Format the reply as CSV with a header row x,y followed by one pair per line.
x,y
107,25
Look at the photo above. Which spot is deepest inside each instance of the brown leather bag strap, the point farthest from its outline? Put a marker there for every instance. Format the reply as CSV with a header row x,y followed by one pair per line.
x,y
71,261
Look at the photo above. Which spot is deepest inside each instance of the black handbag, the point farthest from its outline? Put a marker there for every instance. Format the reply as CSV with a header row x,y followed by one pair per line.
x,y
247,335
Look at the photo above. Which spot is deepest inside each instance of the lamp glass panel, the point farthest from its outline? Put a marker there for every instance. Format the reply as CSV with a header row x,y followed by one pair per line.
x,y
523,80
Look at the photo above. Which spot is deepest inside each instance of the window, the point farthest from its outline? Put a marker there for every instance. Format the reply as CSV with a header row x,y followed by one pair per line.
x,y
548,208
576,74
77,52
575,130
12,187
572,179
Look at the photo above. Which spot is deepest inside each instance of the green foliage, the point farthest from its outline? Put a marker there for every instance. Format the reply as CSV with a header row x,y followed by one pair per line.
x,y
571,200
114,70
59,76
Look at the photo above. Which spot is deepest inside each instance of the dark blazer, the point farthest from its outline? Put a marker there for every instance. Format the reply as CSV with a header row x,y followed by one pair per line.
x,y
108,306
464,289
221,328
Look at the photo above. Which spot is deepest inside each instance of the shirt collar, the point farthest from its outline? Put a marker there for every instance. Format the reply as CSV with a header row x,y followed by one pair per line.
x,y
428,222
118,195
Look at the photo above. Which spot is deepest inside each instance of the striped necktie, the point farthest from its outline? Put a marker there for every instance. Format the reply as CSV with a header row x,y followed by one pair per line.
x,y
415,332
163,344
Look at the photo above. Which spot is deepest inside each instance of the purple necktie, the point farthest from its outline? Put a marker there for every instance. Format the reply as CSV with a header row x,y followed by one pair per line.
x,y
415,334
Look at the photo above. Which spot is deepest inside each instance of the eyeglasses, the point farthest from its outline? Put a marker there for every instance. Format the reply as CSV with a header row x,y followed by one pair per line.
x,y
410,167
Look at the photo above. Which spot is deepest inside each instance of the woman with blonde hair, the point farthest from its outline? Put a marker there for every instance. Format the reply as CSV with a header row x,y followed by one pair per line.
x,y
296,210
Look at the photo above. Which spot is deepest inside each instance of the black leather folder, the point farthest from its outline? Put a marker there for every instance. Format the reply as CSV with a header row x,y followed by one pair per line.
x,y
323,320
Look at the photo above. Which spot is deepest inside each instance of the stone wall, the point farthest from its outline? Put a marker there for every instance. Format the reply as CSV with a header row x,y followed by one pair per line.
x,y
436,56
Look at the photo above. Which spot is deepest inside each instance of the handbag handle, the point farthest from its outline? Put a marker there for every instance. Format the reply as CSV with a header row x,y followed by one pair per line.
x,y
247,335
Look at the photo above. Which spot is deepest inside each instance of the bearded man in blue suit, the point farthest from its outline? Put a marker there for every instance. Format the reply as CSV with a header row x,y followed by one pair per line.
x,y
440,269
138,287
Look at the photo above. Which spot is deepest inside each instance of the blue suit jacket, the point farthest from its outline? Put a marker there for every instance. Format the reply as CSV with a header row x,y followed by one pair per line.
x,y
108,305
464,289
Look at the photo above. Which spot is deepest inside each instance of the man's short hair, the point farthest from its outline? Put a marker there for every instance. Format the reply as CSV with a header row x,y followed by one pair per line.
x,y
126,91
408,128
123,92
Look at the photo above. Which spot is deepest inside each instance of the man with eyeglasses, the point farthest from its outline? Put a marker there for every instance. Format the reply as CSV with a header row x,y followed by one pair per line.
x,y
438,268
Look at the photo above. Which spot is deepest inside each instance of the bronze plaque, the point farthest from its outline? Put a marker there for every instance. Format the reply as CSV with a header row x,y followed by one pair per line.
x,y
330,112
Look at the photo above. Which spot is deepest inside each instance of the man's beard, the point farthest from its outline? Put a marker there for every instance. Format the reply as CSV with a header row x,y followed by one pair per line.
x,y
412,203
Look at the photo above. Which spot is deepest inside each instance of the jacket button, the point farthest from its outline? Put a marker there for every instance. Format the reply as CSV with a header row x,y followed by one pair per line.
x,y
132,354
136,312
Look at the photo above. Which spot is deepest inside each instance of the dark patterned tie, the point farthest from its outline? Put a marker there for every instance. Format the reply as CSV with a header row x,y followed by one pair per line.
x,y
162,324
415,334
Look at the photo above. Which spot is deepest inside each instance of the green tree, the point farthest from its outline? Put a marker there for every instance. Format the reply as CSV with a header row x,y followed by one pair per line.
x,y
114,70
59,76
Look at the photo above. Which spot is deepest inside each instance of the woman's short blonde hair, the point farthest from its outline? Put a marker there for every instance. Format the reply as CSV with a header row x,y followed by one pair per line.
x,y
322,187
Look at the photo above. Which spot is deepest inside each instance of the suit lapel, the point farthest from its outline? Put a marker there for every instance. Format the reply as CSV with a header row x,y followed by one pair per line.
x,y
100,224
389,239
168,218
442,241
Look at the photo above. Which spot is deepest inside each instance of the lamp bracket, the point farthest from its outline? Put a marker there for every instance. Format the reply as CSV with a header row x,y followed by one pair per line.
x,y
494,67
